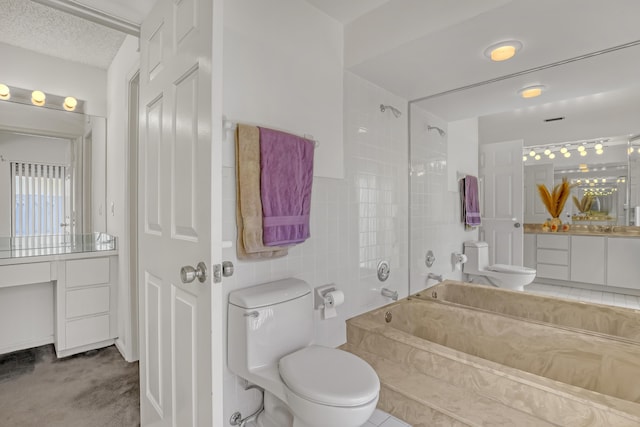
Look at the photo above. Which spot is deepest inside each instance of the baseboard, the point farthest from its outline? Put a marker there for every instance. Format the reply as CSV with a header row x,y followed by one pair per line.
x,y
83,348
26,344
123,351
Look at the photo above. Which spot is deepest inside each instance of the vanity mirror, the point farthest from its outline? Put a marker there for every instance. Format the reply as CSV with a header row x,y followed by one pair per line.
x,y
54,165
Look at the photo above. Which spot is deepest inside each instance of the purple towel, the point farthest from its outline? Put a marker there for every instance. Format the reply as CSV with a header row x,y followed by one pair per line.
x,y
286,177
471,201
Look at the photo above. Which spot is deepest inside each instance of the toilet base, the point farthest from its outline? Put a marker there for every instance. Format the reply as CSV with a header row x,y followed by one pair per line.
x,y
484,280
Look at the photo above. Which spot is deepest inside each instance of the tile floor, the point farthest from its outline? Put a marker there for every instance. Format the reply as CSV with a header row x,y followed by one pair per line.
x,y
600,297
382,419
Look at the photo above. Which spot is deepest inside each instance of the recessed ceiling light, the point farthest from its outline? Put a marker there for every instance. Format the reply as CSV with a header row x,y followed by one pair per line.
x,y
5,93
502,51
38,97
531,91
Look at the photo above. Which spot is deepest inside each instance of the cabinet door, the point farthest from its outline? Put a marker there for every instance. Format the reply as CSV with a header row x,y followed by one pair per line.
x,y
587,259
529,251
623,268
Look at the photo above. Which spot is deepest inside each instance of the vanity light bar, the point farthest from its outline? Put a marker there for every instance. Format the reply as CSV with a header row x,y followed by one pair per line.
x,y
40,99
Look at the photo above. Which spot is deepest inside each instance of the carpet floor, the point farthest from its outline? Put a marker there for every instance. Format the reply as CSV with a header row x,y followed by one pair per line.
x,y
97,388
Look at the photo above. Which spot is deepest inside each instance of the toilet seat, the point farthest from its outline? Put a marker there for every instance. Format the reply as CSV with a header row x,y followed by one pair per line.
x,y
510,269
329,376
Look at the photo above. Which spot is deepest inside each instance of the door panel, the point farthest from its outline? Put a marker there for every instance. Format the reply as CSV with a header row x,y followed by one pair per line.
x,y
176,192
501,195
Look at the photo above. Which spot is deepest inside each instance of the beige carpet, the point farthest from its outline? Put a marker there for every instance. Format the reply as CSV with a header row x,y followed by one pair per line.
x,y
98,389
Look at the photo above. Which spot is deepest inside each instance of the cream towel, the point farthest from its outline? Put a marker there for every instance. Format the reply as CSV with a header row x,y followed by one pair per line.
x,y
249,203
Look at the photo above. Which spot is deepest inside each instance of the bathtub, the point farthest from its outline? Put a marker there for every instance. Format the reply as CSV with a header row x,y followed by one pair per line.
x,y
444,359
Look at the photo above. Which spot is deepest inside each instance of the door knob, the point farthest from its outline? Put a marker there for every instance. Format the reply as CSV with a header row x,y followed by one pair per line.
x,y
188,274
516,225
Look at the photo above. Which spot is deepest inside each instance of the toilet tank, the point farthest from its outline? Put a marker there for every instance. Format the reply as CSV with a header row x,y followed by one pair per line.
x,y
477,256
267,322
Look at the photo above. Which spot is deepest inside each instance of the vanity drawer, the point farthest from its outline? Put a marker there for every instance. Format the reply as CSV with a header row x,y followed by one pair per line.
x,y
553,256
560,272
553,241
25,274
83,302
84,272
87,331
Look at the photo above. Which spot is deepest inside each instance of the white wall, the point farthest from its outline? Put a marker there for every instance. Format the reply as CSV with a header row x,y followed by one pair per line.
x,y
283,69
124,64
30,70
355,223
435,199
35,149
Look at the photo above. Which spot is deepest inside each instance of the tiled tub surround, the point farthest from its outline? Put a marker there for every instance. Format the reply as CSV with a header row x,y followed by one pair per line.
x,y
600,319
446,364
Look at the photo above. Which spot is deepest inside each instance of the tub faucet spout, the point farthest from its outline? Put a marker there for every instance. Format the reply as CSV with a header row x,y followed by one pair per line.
x,y
434,276
389,294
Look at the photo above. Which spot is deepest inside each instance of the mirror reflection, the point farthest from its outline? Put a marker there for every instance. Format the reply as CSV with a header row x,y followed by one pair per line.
x,y
54,164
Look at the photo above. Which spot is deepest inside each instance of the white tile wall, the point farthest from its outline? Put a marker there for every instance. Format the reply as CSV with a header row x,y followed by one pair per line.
x,y
355,223
435,211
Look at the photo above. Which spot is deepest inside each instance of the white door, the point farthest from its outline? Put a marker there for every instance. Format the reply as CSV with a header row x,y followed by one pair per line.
x,y
175,227
502,201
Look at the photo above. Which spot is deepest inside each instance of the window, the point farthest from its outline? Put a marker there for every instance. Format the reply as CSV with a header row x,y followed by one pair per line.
x,y
40,198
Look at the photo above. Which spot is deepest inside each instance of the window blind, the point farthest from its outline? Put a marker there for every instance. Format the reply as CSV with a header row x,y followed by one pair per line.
x,y
39,194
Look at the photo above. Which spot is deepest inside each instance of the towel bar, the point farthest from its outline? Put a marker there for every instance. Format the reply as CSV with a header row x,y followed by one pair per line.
x,y
230,126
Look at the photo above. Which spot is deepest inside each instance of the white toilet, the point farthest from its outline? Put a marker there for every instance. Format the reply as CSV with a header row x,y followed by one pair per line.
x,y
269,345
501,275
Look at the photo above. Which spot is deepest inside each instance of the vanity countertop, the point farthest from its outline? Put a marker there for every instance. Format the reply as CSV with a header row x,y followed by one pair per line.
x,y
18,250
588,230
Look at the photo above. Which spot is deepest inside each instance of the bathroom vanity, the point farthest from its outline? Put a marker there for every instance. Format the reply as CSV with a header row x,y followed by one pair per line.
x,y
599,258
60,290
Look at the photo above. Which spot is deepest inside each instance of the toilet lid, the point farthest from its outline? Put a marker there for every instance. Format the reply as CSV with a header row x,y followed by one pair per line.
x,y
513,269
329,376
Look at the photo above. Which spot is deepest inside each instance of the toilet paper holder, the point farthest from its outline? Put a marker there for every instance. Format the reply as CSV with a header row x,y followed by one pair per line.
x,y
322,300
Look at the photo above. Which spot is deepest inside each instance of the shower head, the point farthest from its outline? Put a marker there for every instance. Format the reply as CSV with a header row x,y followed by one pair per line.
x,y
394,110
440,131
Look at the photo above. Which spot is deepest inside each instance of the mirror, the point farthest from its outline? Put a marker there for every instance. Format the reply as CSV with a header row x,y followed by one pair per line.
x,y
55,168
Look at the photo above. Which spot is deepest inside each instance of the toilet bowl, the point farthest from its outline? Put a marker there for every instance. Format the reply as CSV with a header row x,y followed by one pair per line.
x,y
269,344
500,275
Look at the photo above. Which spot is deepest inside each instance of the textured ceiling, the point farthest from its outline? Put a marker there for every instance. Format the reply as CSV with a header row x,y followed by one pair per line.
x,y
35,27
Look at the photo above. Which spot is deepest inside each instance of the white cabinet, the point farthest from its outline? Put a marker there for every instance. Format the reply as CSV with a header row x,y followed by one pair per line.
x,y
623,262
529,250
588,254
552,256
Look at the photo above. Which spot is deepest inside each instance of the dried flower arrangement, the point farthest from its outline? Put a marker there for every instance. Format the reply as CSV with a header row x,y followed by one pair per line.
x,y
554,201
583,205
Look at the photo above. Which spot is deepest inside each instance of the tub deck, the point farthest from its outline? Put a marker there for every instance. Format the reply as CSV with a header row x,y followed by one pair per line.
x,y
465,366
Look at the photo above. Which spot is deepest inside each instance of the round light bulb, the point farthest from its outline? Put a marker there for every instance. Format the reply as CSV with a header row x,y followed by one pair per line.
x,y
38,98
537,157
563,150
567,154
598,146
532,153
604,180
599,151
581,148
583,153
630,150
5,92
524,158
552,156
547,152
70,103
595,180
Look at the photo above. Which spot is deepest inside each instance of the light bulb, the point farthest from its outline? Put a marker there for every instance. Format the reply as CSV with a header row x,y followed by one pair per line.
x,y
598,146
70,103
599,151
563,150
5,92
630,148
581,148
38,98
547,152
567,154
604,180
532,153
595,180
537,157
524,158
552,156
583,153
